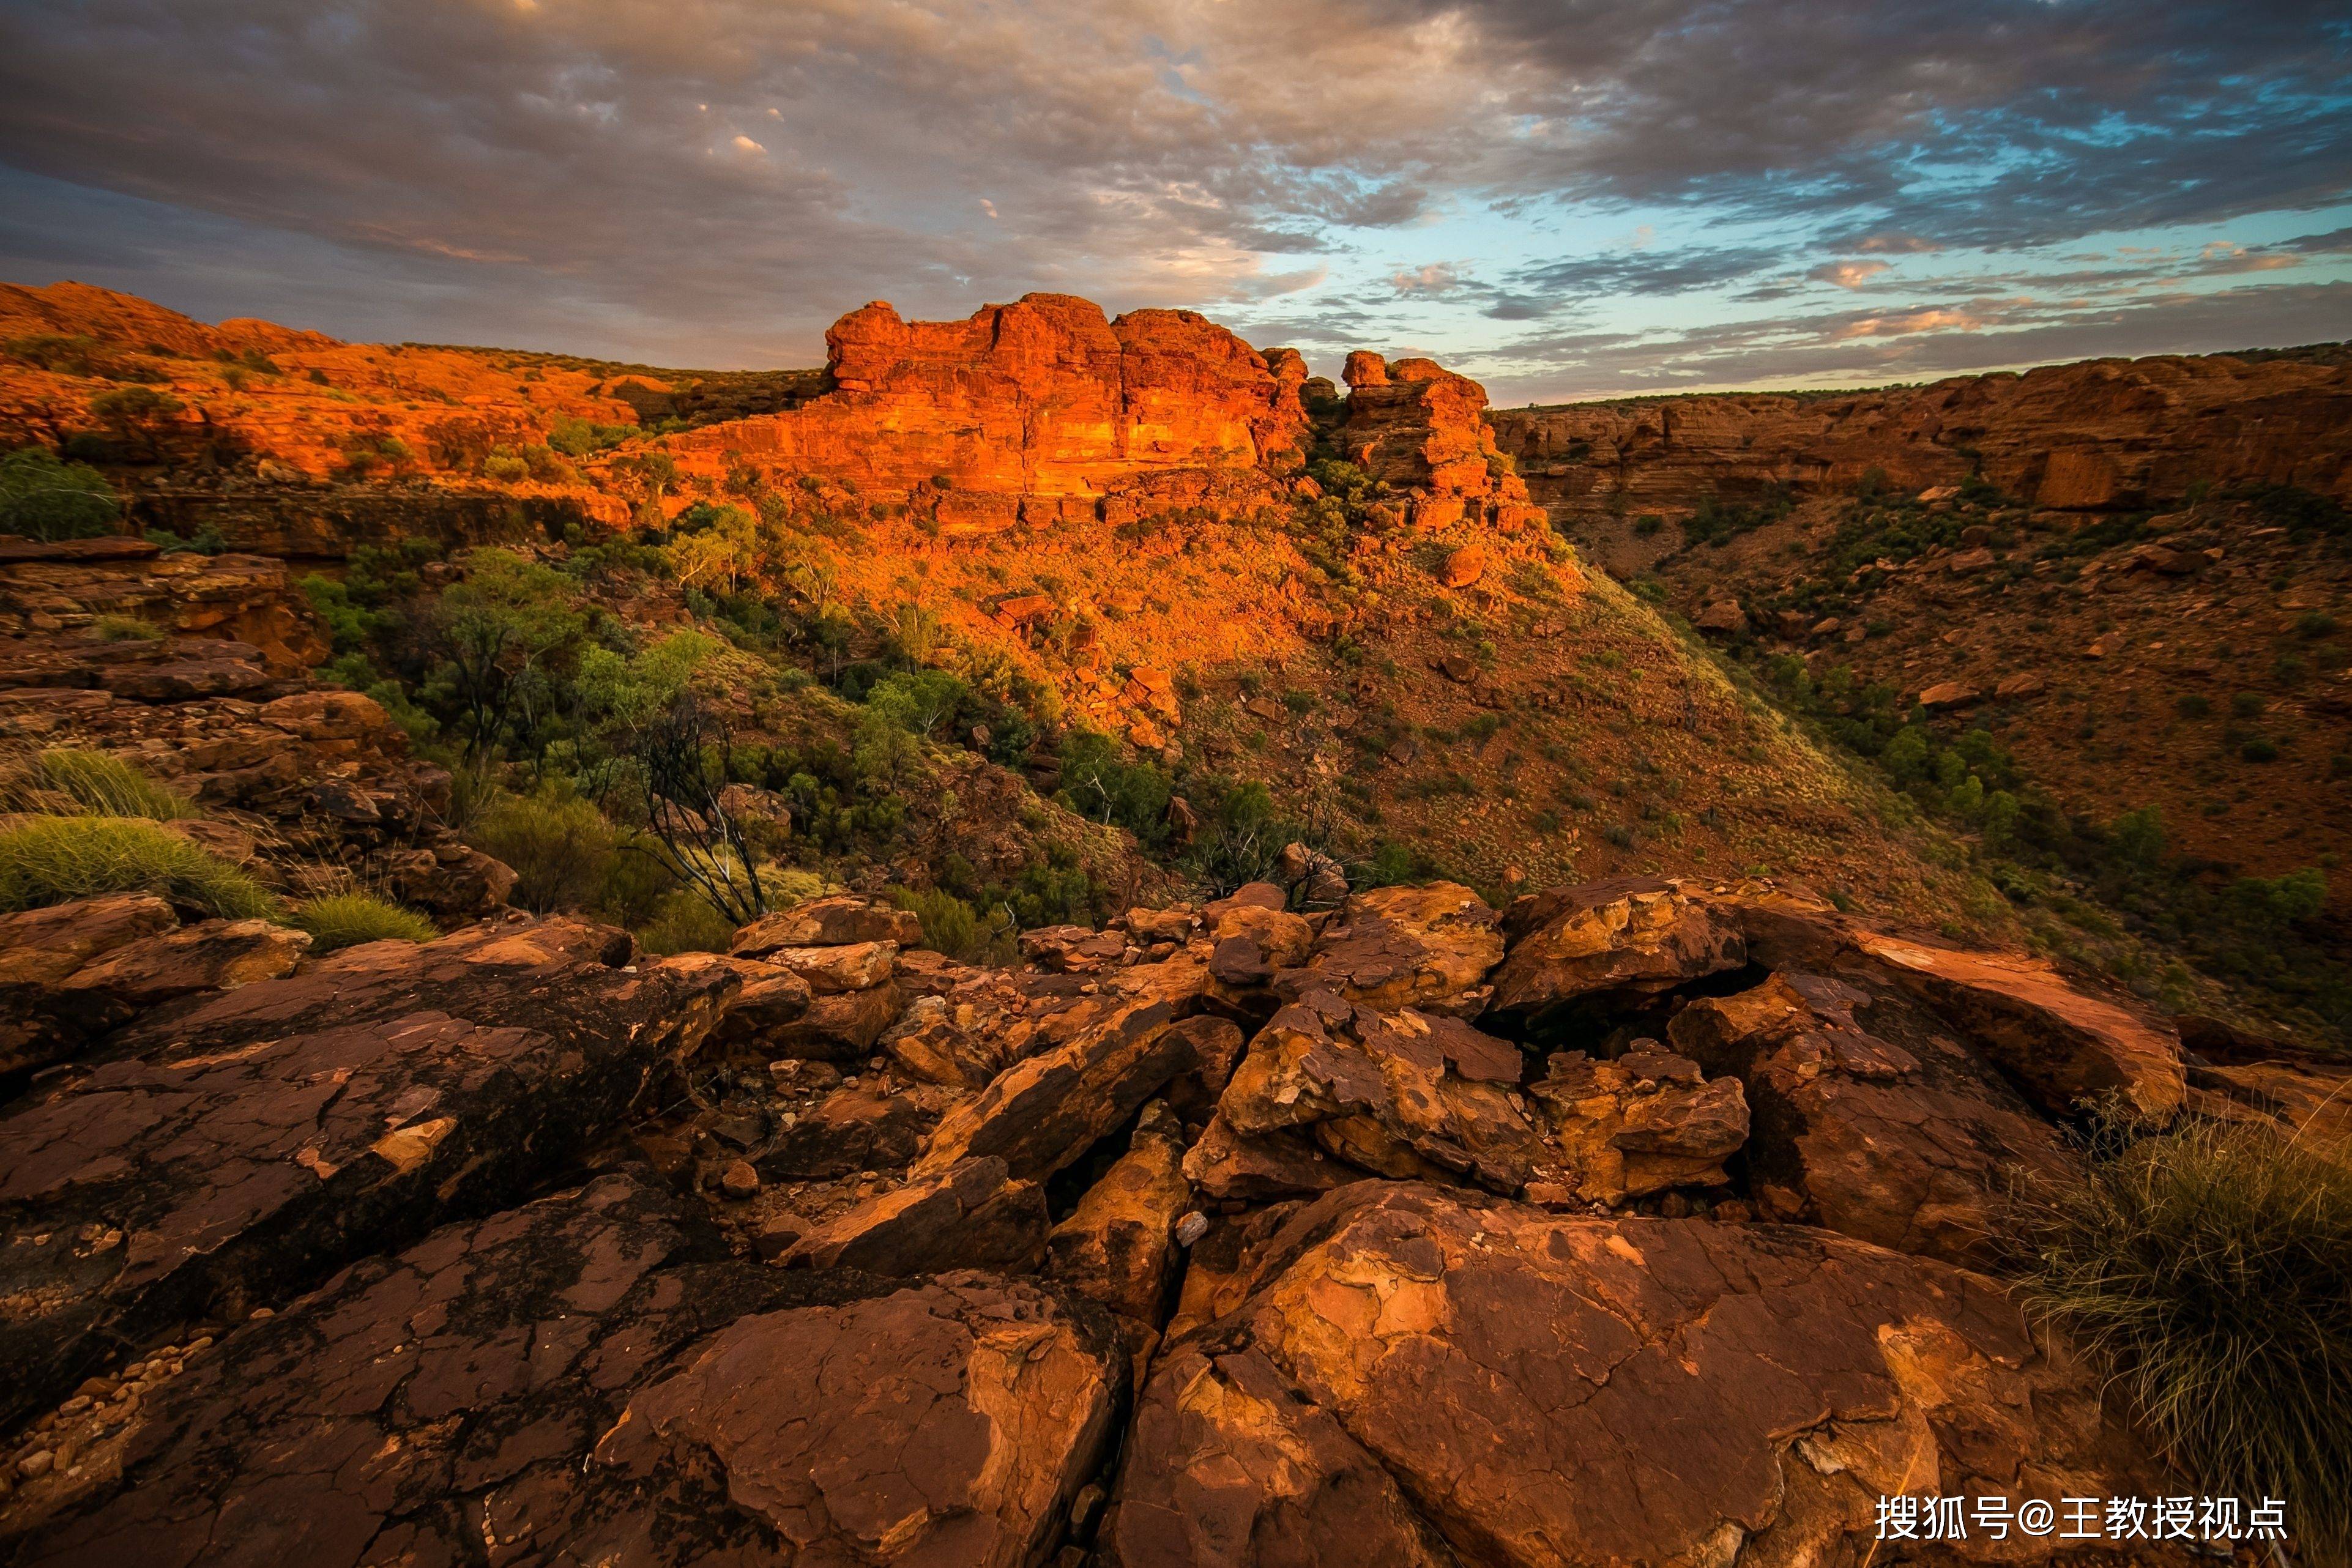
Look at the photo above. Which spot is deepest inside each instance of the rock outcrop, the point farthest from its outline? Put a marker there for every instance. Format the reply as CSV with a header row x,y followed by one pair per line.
x,y
2100,436
1424,429
1415,1378
225,1150
1027,412
581,1380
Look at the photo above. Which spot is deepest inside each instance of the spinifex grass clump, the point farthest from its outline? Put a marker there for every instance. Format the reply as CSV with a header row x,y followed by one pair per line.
x,y
49,859
348,919
2210,1269
95,783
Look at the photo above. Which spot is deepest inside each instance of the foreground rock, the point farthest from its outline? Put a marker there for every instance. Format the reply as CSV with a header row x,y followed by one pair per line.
x,y
579,1381
1418,1379
1870,1118
224,1154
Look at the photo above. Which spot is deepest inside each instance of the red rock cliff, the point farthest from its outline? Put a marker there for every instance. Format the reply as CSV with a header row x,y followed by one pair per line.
x,y
1423,428
1045,397
2105,435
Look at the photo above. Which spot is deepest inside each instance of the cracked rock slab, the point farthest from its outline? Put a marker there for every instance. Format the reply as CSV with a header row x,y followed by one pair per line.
x,y
584,1379
243,1145
1411,1365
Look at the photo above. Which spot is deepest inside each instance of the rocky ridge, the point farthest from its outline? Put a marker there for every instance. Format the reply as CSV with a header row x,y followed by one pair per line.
x,y
1228,1234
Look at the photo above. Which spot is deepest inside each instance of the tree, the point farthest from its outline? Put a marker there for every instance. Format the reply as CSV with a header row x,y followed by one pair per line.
x,y
492,638
135,414
683,753
43,498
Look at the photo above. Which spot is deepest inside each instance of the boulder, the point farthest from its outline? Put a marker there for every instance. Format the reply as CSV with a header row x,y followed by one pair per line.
x,y
1870,1117
40,951
1416,1378
829,971
1463,566
210,956
772,997
970,1215
1644,1123
1949,694
833,921
2064,1043
1230,1166
1610,943
2024,684
842,1027
1118,1245
1724,617
1071,949
1401,1095
231,1149
1043,1113
1400,946
858,1127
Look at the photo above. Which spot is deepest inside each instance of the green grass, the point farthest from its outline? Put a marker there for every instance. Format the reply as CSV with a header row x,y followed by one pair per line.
x,y
348,919
2210,1270
99,785
52,860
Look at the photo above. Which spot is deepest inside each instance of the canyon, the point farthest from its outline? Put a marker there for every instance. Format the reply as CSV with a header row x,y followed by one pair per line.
x,y
1281,976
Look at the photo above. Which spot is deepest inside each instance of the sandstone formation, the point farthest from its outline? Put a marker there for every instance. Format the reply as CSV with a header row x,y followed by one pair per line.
x,y
1029,412
1418,1379
579,1379
2101,435
227,1150
1401,1274
1424,429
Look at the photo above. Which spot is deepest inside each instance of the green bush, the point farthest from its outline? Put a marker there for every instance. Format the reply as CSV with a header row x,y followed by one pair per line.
x,y
561,847
953,928
685,923
43,498
2210,1270
51,859
100,784
125,629
348,919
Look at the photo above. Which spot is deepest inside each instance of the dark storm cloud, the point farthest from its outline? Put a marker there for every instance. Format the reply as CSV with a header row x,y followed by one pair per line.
x,y
1928,122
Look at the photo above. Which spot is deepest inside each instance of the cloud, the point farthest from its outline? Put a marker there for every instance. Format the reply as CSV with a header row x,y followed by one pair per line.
x,y
1848,274
1851,350
574,172
1438,277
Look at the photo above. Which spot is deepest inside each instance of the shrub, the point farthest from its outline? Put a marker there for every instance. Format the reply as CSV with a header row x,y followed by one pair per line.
x,y
953,928
2210,1270
100,784
348,919
50,860
560,846
43,498
125,629
684,922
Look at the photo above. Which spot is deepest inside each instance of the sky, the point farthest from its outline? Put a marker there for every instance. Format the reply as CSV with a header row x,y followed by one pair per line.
x,y
1566,198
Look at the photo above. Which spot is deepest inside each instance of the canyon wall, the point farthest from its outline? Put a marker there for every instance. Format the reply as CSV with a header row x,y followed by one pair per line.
x,y
2101,435
1042,398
